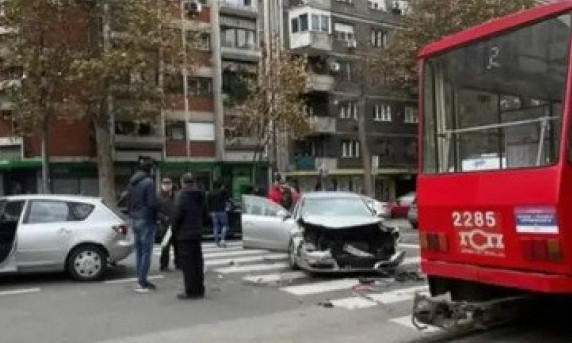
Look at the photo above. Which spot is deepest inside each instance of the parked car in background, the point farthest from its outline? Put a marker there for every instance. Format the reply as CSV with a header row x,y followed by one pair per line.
x,y
412,215
381,209
400,208
44,233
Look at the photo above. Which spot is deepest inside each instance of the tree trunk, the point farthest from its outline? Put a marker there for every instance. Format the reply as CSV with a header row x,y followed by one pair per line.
x,y
46,189
364,147
105,169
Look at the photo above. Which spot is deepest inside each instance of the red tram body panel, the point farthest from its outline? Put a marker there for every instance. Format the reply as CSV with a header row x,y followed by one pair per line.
x,y
495,180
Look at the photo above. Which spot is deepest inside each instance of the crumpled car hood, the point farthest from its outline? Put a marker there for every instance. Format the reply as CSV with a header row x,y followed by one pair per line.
x,y
335,222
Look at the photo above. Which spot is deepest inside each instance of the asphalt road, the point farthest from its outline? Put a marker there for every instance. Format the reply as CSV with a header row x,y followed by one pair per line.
x,y
252,296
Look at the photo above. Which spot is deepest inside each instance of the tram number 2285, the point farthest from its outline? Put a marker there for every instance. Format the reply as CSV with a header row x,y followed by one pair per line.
x,y
472,219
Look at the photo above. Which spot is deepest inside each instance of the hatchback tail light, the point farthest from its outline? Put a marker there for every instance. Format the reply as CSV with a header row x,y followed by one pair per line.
x,y
535,249
432,241
121,229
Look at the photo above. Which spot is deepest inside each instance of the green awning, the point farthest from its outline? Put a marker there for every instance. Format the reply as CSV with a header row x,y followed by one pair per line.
x,y
186,166
8,165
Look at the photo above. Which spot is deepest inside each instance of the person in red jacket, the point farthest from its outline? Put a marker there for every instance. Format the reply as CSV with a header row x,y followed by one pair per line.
x,y
275,192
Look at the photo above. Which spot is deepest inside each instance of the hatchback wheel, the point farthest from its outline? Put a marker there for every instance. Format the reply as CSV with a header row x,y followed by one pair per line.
x,y
87,263
292,256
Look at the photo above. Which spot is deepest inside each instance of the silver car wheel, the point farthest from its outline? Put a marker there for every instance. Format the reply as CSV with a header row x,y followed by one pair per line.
x,y
87,263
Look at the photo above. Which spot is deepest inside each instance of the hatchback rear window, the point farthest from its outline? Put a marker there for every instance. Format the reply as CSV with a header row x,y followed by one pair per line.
x,y
49,211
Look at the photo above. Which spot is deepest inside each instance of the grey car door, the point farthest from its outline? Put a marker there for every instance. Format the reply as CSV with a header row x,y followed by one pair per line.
x,y
10,218
265,224
45,234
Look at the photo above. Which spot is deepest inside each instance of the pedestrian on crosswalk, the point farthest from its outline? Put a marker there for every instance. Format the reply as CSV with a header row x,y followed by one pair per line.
x,y
187,231
142,209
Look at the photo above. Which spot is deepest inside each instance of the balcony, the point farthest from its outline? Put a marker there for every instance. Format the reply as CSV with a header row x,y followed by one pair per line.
x,y
326,164
321,4
321,41
247,54
320,83
306,163
323,124
239,8
134,142
242,143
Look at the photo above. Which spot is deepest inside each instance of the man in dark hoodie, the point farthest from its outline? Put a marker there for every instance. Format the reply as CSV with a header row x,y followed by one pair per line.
x,y
142,209
217,209
187,232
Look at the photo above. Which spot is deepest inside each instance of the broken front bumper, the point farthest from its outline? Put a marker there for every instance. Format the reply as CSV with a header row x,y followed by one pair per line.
x,y
324,262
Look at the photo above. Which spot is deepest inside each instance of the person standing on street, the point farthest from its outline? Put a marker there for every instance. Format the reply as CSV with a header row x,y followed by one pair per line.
x,y
218,200
166,202
142,209
187,232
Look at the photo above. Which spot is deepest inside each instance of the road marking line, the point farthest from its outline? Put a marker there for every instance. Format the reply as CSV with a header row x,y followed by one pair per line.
x,y
20,291
409,246
396,296
251,268
321,287
228,244
129,280
275,277
406,321
235,253
251,259
217,249
353,303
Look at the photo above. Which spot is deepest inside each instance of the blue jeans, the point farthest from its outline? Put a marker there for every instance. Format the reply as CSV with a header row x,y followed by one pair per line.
x,y
220,226
144,238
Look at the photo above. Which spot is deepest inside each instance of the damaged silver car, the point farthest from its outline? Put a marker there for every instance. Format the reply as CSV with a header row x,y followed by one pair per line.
x,y
338,232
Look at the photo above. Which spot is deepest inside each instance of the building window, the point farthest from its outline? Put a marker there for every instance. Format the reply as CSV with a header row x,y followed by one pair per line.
x,y
344,32
350,149
239,38
382,112
199,42
295,25
346,1
349,110
347,68
200,86
378,5
379,38
175,130
320,23
411,115
304,22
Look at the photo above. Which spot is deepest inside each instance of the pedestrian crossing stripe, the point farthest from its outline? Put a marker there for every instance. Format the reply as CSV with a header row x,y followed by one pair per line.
x,y
241,252
250,259
252,268
321,287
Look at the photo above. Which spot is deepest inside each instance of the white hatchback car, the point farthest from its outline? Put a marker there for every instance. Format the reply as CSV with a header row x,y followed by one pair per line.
x,y
44,233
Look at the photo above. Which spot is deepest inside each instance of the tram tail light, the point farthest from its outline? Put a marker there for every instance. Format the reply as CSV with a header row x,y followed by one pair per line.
x,y
431,241
534,249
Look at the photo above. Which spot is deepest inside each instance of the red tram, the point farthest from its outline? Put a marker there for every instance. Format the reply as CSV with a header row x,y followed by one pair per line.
x,y
495,183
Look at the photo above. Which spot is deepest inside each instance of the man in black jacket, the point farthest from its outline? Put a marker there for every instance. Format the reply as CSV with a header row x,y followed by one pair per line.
x,y
142,209
187,231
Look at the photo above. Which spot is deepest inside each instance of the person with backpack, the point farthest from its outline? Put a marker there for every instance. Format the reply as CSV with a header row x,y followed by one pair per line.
x,y
142,210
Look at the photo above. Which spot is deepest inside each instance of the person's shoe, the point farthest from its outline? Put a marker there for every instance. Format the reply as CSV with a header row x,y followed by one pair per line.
x,y
141,289
185,296
150,286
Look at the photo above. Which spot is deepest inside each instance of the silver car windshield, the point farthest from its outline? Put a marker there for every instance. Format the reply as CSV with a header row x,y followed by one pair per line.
x,y
335,207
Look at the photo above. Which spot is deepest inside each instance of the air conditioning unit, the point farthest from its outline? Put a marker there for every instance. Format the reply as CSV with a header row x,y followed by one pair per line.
x,y
193,7
352,44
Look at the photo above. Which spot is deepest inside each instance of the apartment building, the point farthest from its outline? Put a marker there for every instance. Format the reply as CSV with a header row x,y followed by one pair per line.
x,y
188,135
338,36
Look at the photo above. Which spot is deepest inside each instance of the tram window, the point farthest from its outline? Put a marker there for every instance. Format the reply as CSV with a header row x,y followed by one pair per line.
x,y
497,104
